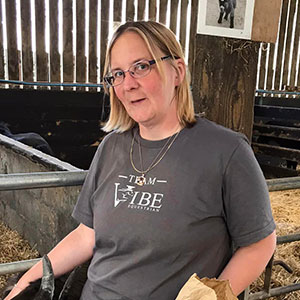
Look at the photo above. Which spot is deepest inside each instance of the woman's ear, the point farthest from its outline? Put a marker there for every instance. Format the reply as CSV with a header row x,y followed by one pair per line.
x,y
180,70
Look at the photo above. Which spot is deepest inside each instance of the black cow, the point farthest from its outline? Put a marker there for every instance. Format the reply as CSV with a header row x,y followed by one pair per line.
x,y
30,138
227,8
67,287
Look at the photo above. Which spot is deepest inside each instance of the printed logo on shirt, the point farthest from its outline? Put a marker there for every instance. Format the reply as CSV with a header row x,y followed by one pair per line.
x,y
125,192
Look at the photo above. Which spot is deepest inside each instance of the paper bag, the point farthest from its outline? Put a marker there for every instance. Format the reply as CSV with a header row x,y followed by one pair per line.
x,y
221,287
194,289
206,289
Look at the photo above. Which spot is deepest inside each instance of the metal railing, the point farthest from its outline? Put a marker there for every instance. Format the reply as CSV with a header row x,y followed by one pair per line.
x,y
17,266
19,181
267,291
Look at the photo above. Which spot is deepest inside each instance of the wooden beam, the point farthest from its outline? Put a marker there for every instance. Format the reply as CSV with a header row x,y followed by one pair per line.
x,y
1,45
183,22
288,44
141,9
129,10
27,57
41,55
270,67
163,11
280,45
68,57
265,20
54,54
13,53
117,10
277,112
276,131
276,151
224,81
173,17
93,42
80,43
152,10
262,70
295,51
193,30
104,32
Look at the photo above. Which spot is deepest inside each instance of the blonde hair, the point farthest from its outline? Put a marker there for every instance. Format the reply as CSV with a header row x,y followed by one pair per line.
x,y
157,37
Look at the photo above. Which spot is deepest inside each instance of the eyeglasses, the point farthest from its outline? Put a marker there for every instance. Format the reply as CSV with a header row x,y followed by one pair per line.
x,y
138,70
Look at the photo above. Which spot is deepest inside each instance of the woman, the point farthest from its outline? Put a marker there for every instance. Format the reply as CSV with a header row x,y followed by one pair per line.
x,y
168,194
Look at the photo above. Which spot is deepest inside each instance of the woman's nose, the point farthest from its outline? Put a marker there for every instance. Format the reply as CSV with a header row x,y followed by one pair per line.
x,y
130,82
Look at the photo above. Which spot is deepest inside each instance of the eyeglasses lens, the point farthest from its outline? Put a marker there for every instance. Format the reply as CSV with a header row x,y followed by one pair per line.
x,y
137,70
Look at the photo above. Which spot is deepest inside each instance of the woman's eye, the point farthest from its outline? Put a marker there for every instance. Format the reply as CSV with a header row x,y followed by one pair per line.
x,y
118,74
141,67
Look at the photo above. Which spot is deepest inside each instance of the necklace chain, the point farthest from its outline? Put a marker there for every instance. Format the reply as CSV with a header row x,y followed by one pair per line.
x,y
141,179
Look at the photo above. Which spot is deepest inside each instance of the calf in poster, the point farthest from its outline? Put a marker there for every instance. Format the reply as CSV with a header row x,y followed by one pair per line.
x,y
227,8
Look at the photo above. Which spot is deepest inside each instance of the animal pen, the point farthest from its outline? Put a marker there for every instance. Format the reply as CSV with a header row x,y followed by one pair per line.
x,y
51,65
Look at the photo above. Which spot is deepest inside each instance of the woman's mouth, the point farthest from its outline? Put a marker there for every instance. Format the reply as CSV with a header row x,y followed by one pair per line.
x,y
137,100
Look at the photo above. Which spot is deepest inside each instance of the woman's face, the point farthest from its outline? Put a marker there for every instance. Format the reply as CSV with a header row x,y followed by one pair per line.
x,y
148,100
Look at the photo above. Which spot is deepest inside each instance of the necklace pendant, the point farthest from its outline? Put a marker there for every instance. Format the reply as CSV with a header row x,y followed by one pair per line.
x,y
141,180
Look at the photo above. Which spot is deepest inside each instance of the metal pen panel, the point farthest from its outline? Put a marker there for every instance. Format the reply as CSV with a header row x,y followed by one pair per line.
x,y
20,181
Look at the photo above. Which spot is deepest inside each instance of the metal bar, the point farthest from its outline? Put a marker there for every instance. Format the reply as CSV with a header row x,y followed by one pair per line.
x,y
267,293
17,266
268,275
275,292
277,92
288,238
51,83
19,181
281,184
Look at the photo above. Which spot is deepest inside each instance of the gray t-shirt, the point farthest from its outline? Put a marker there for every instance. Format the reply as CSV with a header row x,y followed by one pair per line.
x,y
206,194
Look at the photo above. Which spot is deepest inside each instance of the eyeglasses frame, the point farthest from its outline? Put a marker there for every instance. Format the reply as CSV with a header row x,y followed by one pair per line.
x,y
151,62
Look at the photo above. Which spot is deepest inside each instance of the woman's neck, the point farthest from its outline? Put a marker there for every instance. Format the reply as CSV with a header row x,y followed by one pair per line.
x,y
159,132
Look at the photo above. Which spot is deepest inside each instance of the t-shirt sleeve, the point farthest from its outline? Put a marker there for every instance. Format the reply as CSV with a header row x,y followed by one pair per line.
x,y
246,198
83,211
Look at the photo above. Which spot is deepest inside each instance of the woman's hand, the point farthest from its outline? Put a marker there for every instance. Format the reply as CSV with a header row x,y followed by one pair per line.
x,y
17,289
75,249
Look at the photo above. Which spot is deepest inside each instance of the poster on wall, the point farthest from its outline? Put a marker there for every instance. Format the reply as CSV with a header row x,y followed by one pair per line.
x,y
228,18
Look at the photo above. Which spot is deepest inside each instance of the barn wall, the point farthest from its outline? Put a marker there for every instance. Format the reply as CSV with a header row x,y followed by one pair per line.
x,y
69,121
42,216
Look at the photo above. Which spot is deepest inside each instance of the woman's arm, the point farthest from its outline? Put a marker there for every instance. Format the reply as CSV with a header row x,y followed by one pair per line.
x,y
248,263
75,249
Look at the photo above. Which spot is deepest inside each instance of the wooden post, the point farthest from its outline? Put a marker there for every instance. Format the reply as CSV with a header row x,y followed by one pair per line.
x,y
93,42
173,17
183,16
224,81
163,11
68,58
117,11
104,33
1,45
54,54
281,38
41,54
27,58
141,9
80,44
194,4
152,10
13,53
129,10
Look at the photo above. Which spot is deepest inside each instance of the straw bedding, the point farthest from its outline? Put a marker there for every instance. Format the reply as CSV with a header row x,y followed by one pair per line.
x,y
13,248
286,210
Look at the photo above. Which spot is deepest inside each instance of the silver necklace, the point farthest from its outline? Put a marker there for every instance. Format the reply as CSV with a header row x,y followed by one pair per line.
x,y
141,180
